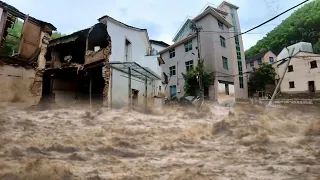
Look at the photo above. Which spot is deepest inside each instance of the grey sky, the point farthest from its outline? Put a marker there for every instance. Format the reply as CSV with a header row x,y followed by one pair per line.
x,y
162,18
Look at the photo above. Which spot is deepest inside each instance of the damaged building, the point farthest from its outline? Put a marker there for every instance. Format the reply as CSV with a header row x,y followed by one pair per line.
x,y
108,64
22,60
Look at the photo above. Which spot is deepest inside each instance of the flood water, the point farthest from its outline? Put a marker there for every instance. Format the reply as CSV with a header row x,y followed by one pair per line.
x,y
177,144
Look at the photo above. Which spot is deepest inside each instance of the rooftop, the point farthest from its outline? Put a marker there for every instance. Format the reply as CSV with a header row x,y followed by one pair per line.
x,y
15,12
160,43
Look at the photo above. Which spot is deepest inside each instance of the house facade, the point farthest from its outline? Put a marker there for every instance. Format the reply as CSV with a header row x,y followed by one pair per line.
x,y
303,74
100,57
220,48
268,57
22,62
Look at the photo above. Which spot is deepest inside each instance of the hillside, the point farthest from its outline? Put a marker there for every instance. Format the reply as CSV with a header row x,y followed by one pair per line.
x,y
302,25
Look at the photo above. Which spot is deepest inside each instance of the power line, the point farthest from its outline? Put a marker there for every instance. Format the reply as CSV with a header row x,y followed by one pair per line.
x,y
269,19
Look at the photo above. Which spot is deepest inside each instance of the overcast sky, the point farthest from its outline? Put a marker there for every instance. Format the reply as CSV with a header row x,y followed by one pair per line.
x,y
162,18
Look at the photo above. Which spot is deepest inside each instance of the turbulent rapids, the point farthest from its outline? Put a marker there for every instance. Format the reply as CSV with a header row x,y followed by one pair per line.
x,y
244,142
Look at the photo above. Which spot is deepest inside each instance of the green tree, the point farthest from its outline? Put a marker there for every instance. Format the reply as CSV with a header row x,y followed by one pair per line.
x,y
264,75
191,85
57,35
302,25
12,41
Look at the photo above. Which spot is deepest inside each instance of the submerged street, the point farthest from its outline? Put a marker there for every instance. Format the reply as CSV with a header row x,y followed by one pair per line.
x,y
248,143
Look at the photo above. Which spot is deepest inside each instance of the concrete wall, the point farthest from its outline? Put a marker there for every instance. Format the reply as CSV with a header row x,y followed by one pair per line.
x,y
120,89
16,84
139,49
158,48
302,73
240,93
179,61
211,52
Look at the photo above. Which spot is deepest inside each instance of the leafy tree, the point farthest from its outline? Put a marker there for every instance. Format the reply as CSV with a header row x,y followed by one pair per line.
x,y
302,25
12,41
191,85
57,35
264,75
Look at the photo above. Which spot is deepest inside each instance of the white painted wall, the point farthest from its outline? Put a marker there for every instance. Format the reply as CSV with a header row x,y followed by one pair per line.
x,y
15,84
139,49
179,61
302,73
157,48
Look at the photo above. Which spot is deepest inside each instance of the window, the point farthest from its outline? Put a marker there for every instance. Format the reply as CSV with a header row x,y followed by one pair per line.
x,y
159,88
222,41
271,59
188,46
225,62
313,64
241,82
220,24
128,48
290,68
291,84
259,61
172,53
189,65
172,70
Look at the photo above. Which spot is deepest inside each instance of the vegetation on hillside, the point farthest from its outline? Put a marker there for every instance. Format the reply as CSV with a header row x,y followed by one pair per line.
x,y
191,85
264,75
12,42
302,25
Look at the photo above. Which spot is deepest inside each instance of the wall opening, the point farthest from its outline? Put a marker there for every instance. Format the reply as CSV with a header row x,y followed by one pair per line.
x,y
311,86
128,48
11,35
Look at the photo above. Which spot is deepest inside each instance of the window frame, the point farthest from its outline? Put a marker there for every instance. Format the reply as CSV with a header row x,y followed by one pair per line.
x,y
260,61
316,64
189,65
171,70
172,53
252,64
225,62
223,42
188,46
291,83
272,59
220,24
290,70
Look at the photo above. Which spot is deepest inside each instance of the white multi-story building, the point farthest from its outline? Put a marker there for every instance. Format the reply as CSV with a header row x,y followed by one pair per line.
x,y
220,48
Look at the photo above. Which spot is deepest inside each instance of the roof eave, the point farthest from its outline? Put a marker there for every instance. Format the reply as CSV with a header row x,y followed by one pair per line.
x,y
213,13
178,43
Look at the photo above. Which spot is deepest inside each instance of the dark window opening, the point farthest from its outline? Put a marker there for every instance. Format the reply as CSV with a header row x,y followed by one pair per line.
x,y
313,64
291,84
189,65
311,86
172,70
290,68
172,53
188,46
220,24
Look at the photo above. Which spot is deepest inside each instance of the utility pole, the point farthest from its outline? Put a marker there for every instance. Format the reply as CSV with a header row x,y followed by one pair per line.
x,y
200,76
280,80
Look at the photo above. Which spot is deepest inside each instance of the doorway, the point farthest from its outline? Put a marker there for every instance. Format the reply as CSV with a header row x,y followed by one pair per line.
x,y
311,86
134,97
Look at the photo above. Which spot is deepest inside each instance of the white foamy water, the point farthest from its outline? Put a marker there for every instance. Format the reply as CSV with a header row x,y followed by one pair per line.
x,y
116,144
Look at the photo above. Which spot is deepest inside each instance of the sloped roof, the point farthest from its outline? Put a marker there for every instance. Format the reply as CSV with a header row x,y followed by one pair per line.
x,y
160,43
256,57
214,13
294,49
14,11
121,23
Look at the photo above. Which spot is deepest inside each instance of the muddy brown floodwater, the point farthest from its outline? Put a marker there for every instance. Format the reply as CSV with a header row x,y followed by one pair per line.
x,y
249,143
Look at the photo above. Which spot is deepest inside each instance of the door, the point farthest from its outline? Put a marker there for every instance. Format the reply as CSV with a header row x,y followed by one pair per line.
x,y
311,86
173,91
